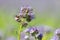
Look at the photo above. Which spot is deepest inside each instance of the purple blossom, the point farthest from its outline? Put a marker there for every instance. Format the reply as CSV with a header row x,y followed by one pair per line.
x,y
23,35
32,16
56,36
28,29
44,29
24,8
57,31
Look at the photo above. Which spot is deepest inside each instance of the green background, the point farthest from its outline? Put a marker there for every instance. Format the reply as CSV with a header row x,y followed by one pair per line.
x,y
46,12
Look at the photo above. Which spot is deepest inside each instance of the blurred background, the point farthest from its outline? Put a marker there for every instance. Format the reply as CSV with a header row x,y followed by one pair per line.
x,y
47,12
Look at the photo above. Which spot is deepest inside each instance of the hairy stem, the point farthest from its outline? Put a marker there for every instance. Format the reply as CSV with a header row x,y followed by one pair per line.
x,y
19,32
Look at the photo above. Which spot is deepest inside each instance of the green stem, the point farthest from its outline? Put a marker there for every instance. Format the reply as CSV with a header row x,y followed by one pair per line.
x,y
19,32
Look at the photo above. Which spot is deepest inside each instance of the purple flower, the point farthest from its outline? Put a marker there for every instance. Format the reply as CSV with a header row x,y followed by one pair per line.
x,y
57,31
24,36
28,30
56,35
32,15
44,29
55,38
39,36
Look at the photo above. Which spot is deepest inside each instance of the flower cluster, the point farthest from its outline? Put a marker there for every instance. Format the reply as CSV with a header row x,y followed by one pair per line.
x,y
33,32
25,16
36,32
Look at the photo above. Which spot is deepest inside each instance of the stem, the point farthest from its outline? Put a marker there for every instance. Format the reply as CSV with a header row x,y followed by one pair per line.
x,y
19,31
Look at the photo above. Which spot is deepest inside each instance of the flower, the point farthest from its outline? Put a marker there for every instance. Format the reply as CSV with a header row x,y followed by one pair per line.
x,y
18,18
39,36
26,37
57,32
26,9
30,17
